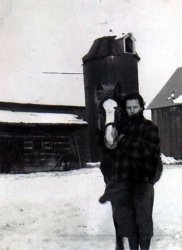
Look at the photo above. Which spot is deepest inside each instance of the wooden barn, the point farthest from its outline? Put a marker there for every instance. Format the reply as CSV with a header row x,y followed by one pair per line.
x,y
42,137
166,110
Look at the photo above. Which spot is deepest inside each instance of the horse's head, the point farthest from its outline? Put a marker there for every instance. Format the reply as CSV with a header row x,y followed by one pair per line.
x,y
106,91
109,113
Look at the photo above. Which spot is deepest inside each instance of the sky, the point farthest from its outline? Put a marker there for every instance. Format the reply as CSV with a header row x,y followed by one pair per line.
x,y
41,36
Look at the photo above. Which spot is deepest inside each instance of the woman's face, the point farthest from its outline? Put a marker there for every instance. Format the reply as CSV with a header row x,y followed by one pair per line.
x,y
132,107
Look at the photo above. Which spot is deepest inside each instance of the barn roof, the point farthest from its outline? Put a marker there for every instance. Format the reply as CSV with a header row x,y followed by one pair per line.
x,y
38,118
170,93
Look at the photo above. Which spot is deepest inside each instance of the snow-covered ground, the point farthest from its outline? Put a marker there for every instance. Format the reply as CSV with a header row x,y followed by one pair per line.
x,y
169,160
60,210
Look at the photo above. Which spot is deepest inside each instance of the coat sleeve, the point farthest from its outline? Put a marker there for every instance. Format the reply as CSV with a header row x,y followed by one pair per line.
x,y
158,168
141,147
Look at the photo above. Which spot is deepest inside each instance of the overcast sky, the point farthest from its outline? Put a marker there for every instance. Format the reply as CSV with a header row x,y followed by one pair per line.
x,y
53,35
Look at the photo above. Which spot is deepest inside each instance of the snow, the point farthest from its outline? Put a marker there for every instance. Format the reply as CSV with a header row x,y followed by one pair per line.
x,y
41,118
169,160
172,95
60,210
178,100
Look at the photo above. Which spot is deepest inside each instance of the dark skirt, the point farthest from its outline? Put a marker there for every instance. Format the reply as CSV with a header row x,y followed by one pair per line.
x,y
132,212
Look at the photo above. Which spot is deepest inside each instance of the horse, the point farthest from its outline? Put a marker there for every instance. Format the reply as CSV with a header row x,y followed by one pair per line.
x,y
110,115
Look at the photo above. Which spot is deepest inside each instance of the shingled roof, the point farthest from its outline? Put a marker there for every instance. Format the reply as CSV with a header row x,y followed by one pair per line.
x,y
171,91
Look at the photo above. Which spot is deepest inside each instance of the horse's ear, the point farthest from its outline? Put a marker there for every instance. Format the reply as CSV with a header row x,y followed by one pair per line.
x,y
98,93
99,87
117,91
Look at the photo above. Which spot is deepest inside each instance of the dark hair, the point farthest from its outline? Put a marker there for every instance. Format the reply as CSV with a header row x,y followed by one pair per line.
x,y
133,96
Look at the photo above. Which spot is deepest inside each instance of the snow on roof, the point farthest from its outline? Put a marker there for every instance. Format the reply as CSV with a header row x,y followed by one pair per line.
x,y
39,118
178,100
47,88
126,35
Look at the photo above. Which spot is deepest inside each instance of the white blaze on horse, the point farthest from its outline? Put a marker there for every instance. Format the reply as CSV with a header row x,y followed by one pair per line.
x,y
110,137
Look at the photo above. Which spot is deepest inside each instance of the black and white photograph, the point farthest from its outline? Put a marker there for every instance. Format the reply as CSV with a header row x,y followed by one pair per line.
x,y
90,125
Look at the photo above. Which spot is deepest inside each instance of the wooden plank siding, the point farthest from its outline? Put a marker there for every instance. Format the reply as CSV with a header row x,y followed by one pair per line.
x,y
26,148
169,122
179,129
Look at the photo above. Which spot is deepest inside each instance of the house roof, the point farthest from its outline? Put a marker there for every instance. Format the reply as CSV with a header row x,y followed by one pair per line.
x,y
38,118
170,93
43,88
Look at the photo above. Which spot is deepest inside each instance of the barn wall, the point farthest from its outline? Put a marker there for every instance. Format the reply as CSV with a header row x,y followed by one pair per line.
x,y
169,122
25,148
179,129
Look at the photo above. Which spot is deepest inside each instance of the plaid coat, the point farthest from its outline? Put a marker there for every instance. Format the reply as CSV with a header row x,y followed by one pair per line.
x,y
136,166
138,153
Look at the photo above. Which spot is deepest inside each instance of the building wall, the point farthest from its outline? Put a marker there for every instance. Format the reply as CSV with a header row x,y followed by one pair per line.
x,y
30,148
169,122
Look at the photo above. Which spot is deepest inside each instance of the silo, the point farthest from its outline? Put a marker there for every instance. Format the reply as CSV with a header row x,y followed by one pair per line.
x,y
109,61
